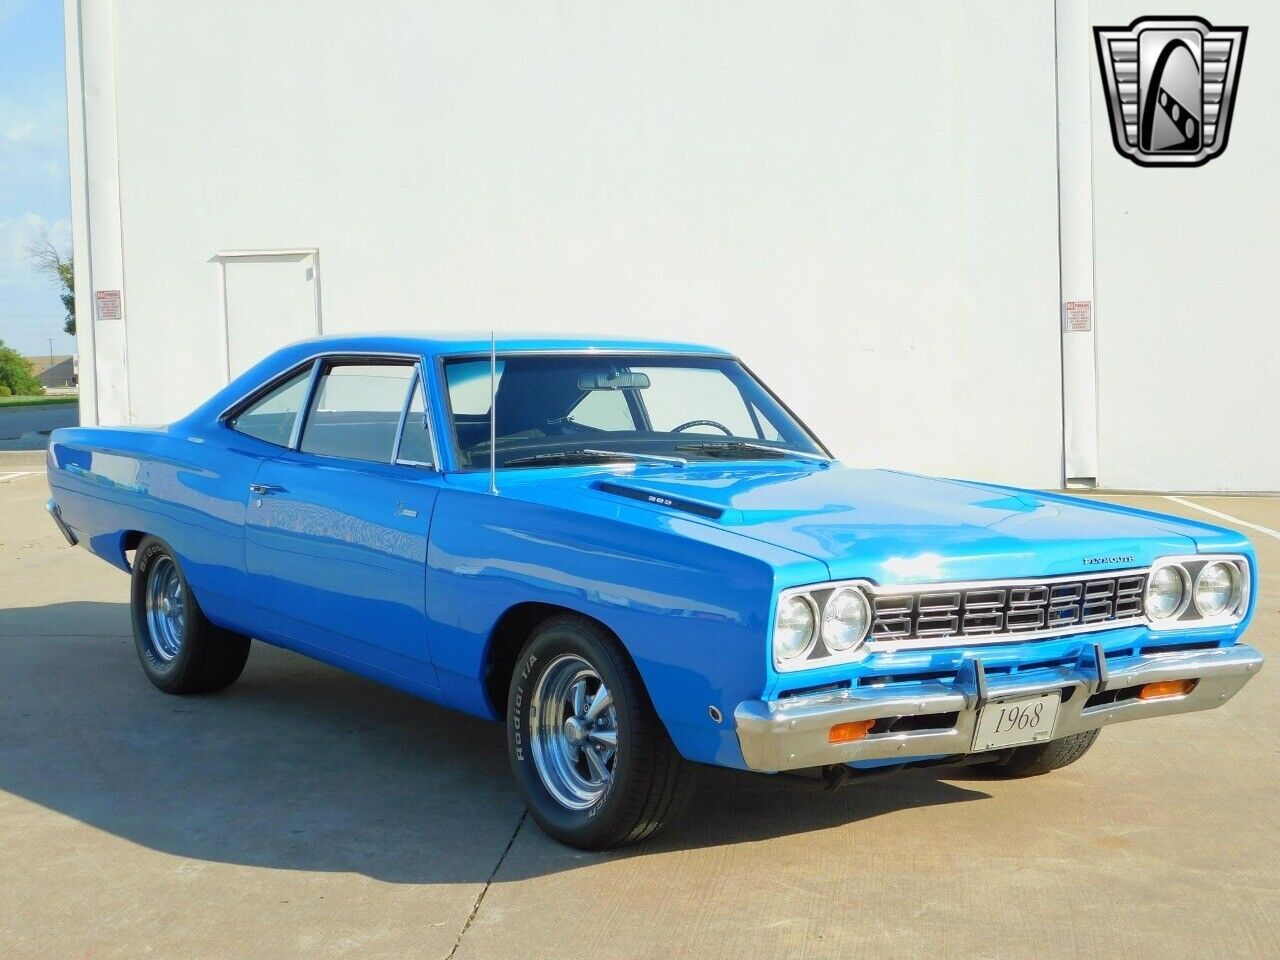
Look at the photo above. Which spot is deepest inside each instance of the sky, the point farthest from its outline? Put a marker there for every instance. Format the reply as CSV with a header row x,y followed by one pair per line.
x,y
34,189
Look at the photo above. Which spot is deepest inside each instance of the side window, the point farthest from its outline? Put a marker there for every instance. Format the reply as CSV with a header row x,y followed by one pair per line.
x,y
604,410
415,441
270,418
356,410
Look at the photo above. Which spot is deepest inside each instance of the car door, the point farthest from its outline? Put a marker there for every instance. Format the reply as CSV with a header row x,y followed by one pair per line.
x,y
336,524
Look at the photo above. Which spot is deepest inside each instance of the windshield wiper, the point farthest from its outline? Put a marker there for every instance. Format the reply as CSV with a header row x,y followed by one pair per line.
x,y
590,456
642,457
731,447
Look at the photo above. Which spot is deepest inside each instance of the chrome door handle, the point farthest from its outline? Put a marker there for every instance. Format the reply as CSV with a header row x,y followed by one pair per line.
x,y
262,489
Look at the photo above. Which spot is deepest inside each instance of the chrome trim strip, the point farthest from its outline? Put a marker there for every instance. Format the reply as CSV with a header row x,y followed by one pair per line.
x,y
792,733
890,588
295,435
55,512
404,412
586,351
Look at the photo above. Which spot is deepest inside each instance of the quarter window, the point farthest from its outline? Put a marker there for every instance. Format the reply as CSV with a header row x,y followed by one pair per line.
x,y
270,418
356,411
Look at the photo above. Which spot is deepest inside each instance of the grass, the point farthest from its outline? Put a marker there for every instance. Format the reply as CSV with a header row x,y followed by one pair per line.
x,y
36,401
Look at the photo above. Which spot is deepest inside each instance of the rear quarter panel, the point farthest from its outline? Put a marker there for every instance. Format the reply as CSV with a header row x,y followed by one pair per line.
x,y
182,488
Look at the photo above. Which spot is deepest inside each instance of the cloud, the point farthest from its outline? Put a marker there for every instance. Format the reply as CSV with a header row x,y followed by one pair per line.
x,y
20,131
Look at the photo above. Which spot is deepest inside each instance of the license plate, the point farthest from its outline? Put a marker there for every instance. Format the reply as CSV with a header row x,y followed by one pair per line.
x,y
1016,721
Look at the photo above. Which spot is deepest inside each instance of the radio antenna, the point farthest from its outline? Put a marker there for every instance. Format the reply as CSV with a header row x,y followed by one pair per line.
x,y
493,412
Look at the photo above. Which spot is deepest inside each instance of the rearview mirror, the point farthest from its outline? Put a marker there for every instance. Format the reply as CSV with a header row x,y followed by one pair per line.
x,y
616,381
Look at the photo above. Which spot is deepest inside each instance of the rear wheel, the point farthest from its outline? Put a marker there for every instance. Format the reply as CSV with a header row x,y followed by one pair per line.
x,y
180,650
1037,758
592,760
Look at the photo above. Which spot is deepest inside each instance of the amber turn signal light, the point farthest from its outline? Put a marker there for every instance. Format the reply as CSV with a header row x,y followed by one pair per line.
x,y
845,732
1166,688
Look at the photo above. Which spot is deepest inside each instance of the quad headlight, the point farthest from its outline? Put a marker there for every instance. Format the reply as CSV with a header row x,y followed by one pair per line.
x,y
846,617
1217,588
1167,590
794,631
819,625
1197,591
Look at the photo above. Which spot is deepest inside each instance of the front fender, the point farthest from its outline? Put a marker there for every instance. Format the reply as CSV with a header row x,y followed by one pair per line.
x,y
690,603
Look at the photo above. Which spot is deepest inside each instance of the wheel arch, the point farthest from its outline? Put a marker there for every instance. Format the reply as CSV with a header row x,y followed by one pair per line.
x,y
508,637
129,540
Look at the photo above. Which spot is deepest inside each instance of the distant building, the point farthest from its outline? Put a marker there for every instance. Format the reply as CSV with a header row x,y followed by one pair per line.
x,y
55,371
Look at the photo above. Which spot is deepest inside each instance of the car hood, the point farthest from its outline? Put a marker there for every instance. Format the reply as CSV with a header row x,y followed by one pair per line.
x,y
895,527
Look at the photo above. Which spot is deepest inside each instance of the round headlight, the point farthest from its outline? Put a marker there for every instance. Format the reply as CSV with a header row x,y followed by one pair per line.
x,y
1166,593
1217,588
795,627
846,617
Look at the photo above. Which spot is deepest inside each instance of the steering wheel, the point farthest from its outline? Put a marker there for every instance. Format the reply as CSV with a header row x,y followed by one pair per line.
x,y
702,423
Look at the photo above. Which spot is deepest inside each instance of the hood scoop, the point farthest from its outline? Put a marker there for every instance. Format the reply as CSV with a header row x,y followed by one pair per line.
x,y
659,499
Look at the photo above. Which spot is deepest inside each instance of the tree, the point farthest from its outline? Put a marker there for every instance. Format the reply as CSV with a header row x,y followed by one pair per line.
x,y
16,375
48,258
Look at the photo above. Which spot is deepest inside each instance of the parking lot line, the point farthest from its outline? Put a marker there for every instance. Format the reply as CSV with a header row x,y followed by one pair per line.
x,y
14,476
1226,516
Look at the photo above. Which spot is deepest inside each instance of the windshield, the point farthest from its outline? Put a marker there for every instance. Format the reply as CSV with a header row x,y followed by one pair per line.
x,y
583,408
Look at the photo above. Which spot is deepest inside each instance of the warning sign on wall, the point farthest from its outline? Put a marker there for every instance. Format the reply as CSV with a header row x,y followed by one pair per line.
x,y
108,304
1078,316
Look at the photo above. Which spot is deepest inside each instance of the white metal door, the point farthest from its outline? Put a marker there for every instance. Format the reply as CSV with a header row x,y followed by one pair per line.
x,y
270,298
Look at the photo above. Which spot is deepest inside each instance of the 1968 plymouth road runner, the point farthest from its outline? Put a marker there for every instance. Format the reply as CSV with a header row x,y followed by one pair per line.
x,y
637,558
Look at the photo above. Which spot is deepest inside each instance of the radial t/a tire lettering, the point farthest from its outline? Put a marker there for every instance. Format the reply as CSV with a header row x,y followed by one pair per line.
x,y
591,759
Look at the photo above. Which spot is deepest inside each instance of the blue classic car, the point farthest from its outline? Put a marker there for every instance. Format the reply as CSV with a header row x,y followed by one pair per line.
x,y
638,559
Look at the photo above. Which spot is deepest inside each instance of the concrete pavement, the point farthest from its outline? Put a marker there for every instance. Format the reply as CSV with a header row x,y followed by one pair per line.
x,y
306,812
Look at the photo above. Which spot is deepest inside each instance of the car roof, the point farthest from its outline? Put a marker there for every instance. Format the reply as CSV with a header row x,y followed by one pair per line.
x,y
431,345
453,342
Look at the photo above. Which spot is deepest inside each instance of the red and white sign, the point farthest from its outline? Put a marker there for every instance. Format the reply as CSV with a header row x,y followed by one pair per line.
x,y
1079,315
108,304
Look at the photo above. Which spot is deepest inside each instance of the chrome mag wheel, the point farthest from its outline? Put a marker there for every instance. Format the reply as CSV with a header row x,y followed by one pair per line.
x,y
165,613
574,732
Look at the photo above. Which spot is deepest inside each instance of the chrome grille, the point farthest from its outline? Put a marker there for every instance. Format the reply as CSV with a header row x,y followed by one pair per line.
x,y
994,609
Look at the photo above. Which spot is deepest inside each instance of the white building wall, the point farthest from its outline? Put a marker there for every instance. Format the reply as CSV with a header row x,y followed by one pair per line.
x,y
859,198
1188,287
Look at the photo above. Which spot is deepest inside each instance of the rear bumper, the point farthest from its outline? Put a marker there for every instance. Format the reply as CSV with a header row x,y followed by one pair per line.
x,y
56,513
938,718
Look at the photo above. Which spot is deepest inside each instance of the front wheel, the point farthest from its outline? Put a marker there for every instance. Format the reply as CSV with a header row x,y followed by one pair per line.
x,y
180,650
592,760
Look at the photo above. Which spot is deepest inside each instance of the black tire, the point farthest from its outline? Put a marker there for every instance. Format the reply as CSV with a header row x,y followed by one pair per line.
x,y
197,658
650,782
1038,758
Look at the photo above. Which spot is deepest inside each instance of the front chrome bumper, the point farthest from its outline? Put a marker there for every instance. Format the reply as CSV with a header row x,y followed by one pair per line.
x,y
936,718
